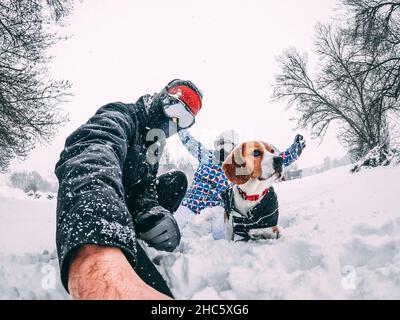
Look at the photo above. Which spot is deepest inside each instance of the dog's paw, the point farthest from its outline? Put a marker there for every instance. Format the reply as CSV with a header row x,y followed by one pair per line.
x,y
265,233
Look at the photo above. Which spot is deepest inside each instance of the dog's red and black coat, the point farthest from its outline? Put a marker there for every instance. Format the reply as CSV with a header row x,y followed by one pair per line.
x,y
264,215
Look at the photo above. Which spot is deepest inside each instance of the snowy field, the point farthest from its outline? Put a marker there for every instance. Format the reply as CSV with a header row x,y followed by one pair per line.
x,y
341,241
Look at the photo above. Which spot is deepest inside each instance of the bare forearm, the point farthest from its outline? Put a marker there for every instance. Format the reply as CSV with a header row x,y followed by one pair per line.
x,y
104,273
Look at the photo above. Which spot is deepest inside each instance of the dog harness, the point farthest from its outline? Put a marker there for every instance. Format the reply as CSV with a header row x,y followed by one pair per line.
x,y
263,215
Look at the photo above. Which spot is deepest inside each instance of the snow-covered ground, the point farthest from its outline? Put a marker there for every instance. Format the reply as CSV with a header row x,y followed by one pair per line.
x,y
341,241
28,260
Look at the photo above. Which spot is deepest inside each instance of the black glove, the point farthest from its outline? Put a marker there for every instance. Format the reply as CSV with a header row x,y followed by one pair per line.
x,y
298,145
158,229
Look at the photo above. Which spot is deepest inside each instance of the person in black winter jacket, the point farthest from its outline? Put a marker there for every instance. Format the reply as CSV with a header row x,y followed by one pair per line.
x,y
109,195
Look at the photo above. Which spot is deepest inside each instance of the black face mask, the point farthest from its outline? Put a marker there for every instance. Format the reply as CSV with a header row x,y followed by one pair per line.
x,y
158,120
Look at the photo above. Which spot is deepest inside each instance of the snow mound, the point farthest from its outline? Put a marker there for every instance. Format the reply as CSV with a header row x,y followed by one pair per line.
x,y
378,156
31,276
341,241
28,260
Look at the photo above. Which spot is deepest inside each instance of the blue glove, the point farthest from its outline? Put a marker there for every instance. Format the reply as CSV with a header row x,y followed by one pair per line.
x,y
298,145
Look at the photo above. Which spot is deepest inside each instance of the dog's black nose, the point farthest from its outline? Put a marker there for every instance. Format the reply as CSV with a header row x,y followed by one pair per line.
x,y
278,163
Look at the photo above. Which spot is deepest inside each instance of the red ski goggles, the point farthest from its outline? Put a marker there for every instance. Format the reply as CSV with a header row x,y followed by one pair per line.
x,y
185,105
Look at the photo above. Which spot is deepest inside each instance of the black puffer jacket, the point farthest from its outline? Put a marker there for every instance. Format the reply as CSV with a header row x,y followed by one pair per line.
x,y
264,215
105,180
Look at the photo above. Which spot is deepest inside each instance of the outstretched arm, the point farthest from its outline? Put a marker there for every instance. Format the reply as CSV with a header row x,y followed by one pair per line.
x,y
293,153
195,148
104,273
91,208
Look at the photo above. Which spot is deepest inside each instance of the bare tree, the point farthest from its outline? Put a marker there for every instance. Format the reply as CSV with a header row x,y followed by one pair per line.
x,y
376,25
347,89
29,100
375,21
31,181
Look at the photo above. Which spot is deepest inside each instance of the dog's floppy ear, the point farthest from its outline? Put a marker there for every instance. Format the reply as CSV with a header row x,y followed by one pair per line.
x,y
235,167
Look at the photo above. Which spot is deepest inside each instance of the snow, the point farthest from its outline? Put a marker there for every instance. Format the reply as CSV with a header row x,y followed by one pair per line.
x,y
28,260
341,240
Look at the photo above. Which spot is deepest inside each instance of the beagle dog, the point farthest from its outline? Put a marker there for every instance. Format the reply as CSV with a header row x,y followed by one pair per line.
x,y
251,207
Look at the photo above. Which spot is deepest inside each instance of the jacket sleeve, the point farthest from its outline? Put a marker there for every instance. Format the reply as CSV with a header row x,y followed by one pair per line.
x,y
288,157
90,205
294,151
146,199
195,148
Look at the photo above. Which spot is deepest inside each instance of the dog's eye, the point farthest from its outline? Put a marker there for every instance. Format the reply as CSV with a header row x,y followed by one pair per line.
x,y
256,153
272,151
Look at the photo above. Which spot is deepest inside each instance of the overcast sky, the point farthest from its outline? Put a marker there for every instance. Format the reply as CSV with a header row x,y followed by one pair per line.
x,y
122,49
